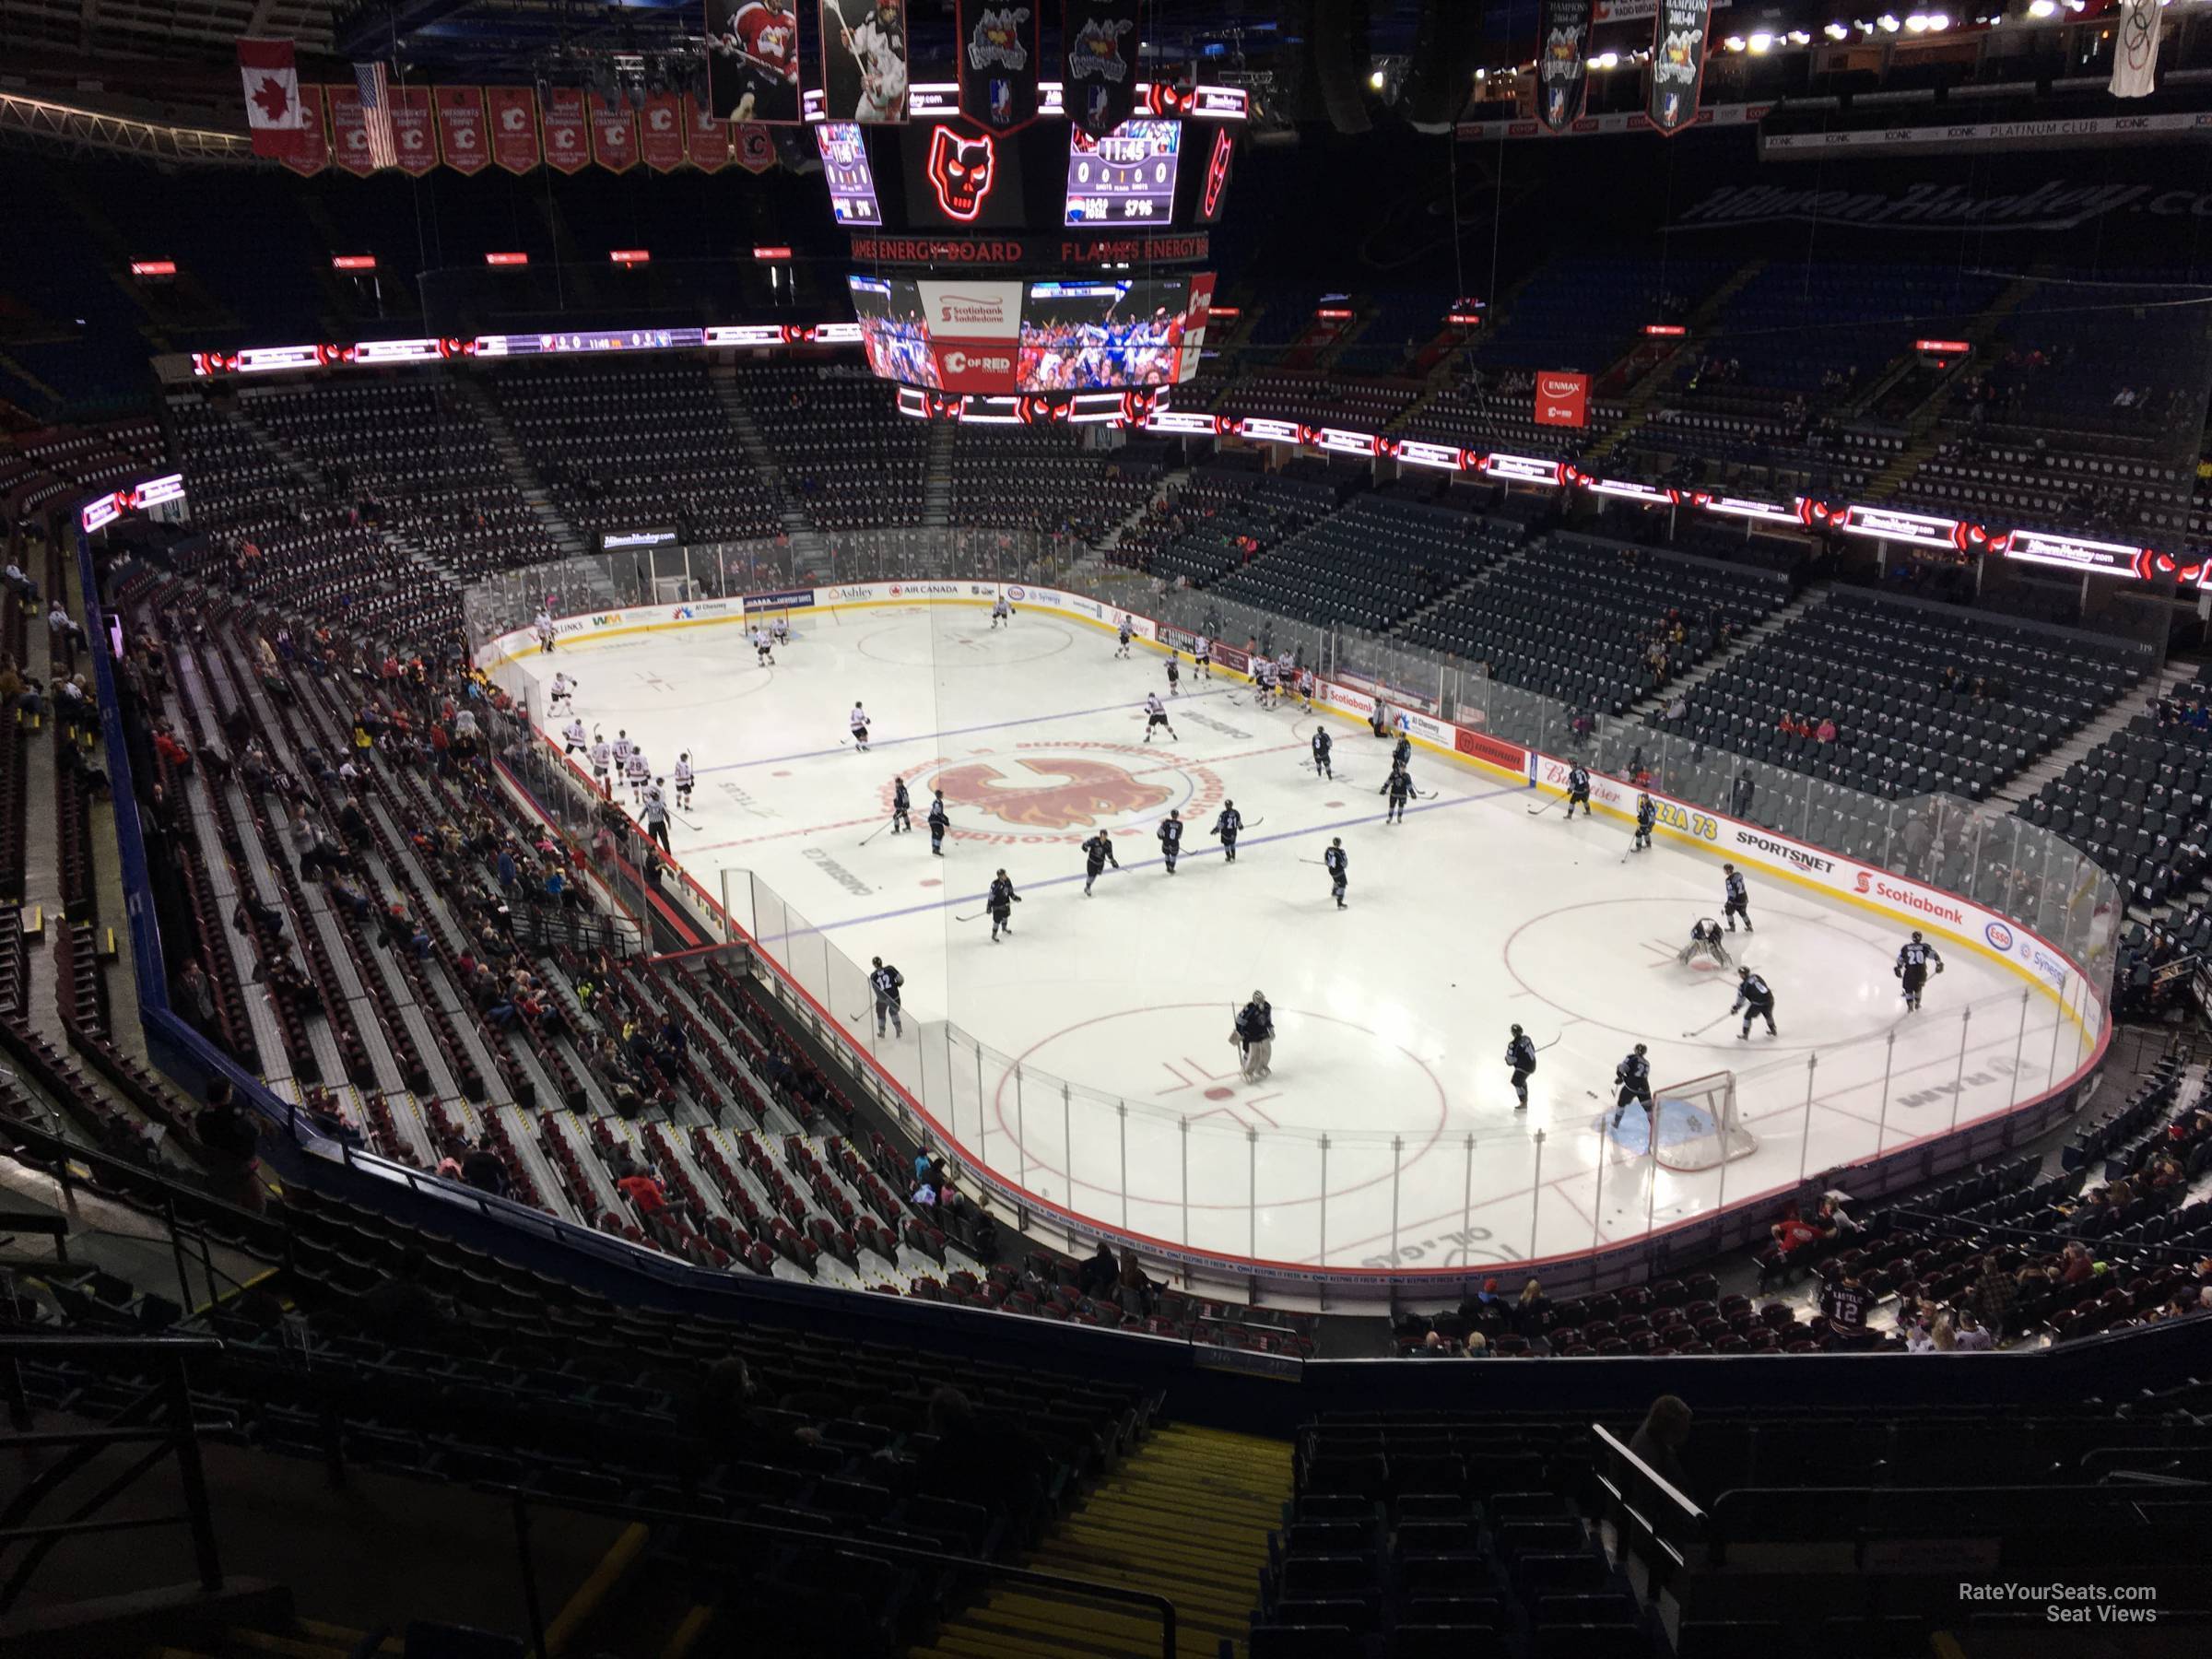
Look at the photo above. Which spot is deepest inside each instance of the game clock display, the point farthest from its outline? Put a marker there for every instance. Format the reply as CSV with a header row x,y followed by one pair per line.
x,y
1126,178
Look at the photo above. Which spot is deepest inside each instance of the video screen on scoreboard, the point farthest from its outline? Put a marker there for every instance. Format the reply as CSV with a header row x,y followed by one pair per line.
x,y
1126,178
893,332
845,165
1088,336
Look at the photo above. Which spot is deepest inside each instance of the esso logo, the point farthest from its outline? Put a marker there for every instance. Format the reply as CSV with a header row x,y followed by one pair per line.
x,y
1999,938
1016,595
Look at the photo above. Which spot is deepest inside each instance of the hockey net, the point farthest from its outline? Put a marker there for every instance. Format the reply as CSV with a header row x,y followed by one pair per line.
x,y
1696,1125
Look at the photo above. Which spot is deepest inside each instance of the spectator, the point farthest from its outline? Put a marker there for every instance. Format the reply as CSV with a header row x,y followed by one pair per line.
x,y
647,1193
482,1167
196,995
1532,1314
1991,1298
1095,1279
228,1136
1972,1336
1793,1237
1845,1303
1477,1346
2075,1267
1659,1442
1133,1288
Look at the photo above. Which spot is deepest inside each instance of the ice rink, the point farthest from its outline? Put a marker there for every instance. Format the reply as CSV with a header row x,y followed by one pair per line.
x,y
1387,1134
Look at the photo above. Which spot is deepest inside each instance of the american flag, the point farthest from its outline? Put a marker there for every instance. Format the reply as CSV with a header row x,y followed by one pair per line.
x,y
376,113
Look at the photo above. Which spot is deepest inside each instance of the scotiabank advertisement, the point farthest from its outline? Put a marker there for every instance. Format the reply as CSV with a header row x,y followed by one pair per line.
x,y
974,332
1562,399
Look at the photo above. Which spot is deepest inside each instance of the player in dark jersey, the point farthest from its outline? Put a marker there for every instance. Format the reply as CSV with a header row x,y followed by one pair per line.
x,y
1914,958
900,803
1633,1078
1756,999
885,981
1226,826
1098,852
1323,745
1174,675
1001,903
1737,899
1646,815
1398,786
938,822
1704,941
1171,838
1520,1054
1578,791
1337,865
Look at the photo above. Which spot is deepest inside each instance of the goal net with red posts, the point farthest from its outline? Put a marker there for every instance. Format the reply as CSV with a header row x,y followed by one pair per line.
x,y
1696,1125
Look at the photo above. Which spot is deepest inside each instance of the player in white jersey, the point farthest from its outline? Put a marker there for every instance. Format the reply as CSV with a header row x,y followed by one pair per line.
x,y
638,772
573,735
624,748
1000,611
563,690
1202,658
602,760
1155,714
1262,679
779,630
545,630
878,42
764,650
683,782
858,721
1121,637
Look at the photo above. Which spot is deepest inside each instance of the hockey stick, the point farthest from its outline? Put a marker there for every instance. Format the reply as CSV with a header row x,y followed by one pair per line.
x,y
877,831
978,914
1539,811
1708,1024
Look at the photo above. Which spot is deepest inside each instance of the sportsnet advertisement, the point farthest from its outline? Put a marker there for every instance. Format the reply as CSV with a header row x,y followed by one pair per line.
x,y
793,599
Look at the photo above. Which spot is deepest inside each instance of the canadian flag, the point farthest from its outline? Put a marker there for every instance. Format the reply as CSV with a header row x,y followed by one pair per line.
x,y
272,82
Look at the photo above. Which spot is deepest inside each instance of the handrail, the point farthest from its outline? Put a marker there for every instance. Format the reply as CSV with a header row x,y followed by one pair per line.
x,y
523,1500
171,1396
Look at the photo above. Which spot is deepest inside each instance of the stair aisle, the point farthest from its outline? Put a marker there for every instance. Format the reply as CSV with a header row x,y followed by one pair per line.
x,y
1185,1517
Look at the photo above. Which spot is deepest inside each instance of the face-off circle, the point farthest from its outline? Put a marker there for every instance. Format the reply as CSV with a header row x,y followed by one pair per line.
x,y
1061,792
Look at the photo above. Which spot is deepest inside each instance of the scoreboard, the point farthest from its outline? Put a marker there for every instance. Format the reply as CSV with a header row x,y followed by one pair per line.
x,y
1127,177
845,165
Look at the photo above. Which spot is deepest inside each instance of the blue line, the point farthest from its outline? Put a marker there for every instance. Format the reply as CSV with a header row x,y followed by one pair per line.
x,y
994,725
1213,852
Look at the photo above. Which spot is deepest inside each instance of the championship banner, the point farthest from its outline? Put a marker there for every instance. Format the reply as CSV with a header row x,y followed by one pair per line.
x,y
753,61
568,130
1001,49
706,138
755,146
348,131
514,127
1677,63
1563,63
414,144
1099,76
462,139
864,60
310,153
614,135
2135,49
661,131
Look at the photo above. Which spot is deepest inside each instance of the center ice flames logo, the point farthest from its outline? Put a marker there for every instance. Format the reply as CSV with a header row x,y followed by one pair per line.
x,y
1088,791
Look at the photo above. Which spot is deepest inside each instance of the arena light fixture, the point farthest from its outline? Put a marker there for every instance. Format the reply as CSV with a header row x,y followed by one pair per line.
x,y
2043,8
630,256
1760,42
153,267
503,261
1938,22
353,262
1887,23
1734,43
1799,38
1840,31
772,255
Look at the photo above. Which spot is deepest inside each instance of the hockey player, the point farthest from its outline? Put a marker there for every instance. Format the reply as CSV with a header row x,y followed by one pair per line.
x,y
938,823
1225,827
1401,753
1001,610
545,630
637,773
764,647
564,689
602,760
1303,681
1001,903
1254,1034
1737,899
1171,838
1098,852
779,631
1754,998
1123,637
1174,675
877,43
1202,658
1155,714
901,802
884,981
656,813
684,776
1578,790
1520,1054
1647,815
1913,959
1377,719
574,737
623,747
1704,941
1398,786
858,721
1323,745
1337,865
1632,1076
